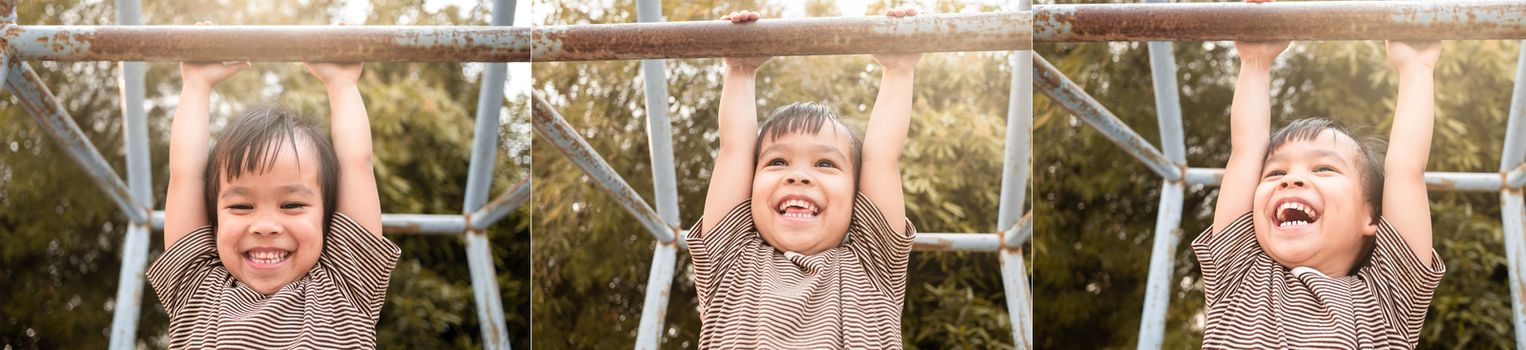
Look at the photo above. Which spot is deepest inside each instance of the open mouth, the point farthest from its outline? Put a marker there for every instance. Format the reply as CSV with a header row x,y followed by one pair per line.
x,y
1293,214
267,257
797,208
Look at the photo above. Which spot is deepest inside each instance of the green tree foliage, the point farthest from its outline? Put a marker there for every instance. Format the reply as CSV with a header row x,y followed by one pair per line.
x,y
591,261
1097,206
60,255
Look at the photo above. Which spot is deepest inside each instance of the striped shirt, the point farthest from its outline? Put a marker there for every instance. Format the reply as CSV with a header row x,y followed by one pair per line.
x,y
754,296
1254,302
334,306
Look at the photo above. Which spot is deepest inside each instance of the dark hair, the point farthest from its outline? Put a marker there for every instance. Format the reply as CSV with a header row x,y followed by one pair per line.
x,y
251,143
805,118
1371,165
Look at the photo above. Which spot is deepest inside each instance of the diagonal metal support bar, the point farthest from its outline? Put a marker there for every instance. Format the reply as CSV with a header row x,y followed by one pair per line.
x,y
500,207
50,114
994,31
1014,280
1065,93
551,126
1302,21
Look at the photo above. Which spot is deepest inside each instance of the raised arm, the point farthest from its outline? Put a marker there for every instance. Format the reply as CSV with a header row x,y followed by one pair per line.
x,y
351,133
880,178
1405,202
1250,115
184,206
731,180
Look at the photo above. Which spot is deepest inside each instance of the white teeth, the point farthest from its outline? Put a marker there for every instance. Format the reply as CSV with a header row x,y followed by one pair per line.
x,y
799,203
268,257
1295,206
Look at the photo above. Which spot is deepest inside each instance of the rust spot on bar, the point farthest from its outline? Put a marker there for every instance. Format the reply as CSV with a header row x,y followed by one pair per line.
x,y
1345,20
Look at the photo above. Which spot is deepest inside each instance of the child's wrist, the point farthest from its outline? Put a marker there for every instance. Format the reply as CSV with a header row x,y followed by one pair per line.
x,y
195,85
1256,63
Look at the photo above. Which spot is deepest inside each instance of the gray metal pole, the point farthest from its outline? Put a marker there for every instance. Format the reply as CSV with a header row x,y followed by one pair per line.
x,y
1510,199
1014,281
129,300
659,131
1014,189
1152,323
1065,93
478,182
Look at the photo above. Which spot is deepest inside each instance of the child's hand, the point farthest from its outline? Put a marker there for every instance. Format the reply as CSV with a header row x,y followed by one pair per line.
x,y
1414,53
1260,51
744,63
899,61
208,74
333,74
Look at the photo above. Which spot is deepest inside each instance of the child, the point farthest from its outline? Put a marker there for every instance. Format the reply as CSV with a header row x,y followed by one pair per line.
x,y
1316,242
802,244
276,242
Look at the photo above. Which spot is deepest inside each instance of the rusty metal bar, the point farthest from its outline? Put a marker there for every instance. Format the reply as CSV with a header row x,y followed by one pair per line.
x,y
561,135
956,242
1439,181
392,223
1511,212
1014,280
992,31
176,43
1064,92
50,114
1312,20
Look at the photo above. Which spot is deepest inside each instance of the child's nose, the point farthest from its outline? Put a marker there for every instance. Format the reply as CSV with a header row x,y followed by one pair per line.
x,y
1292,181
265,225
798,177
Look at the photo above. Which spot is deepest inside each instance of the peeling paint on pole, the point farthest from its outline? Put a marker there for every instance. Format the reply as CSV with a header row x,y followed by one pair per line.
x,y
1314,20
176,43
992,31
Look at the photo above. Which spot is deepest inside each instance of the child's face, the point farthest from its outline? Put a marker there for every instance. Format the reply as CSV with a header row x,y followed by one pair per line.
x,y
270,225
802,190
1309,209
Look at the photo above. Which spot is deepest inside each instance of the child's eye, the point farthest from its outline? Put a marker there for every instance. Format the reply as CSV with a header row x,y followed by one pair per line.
x,y
293,205
826,164
1274,173
241,207
1324,168
777,162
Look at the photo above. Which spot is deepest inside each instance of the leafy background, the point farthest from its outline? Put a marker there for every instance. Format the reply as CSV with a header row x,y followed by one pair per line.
x,y
591,262
1096,205
60,237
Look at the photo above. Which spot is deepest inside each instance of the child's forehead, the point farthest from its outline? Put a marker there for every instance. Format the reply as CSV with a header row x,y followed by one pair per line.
x,y
832,133
1328,143
278,161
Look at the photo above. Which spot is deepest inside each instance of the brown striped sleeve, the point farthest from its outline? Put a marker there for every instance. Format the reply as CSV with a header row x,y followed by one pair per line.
x,y
359,262
714,252
1225,256
178,273
1402,284
883,252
